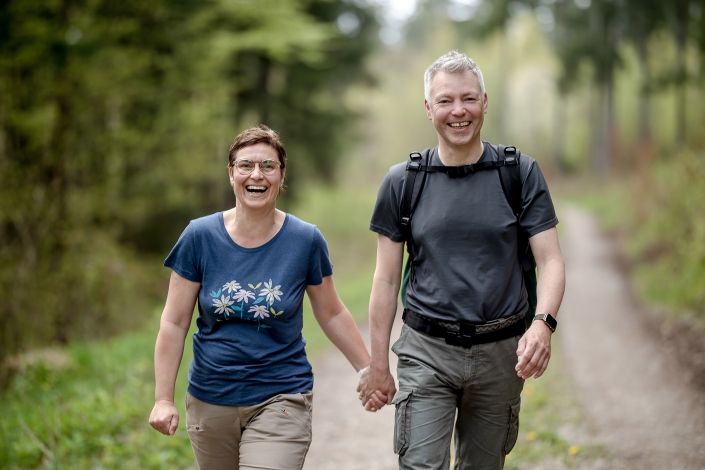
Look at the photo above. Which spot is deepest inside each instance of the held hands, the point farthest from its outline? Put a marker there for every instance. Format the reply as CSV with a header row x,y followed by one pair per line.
x,y
375,389
164,417
534,351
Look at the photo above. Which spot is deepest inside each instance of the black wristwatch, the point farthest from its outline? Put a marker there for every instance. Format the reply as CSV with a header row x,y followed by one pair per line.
x,y
548,319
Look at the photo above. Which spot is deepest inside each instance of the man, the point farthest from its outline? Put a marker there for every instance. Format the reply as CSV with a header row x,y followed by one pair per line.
x,y
466,277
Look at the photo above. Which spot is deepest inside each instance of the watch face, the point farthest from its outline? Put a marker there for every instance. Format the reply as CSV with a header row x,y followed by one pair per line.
x,y
550,321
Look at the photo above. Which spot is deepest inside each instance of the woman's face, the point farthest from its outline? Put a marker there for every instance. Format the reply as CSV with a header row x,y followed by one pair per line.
x,y
256,190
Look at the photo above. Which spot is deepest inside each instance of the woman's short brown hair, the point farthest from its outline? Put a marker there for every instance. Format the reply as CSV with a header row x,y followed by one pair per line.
x,y
258,135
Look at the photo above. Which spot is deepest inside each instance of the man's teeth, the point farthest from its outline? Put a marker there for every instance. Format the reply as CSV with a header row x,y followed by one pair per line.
x,y
258,189
459,124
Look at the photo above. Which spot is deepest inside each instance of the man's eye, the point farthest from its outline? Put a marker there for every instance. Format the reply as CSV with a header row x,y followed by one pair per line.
x,y
245,165
267,165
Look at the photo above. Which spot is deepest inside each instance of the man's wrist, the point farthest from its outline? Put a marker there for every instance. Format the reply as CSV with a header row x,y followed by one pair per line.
x,y
547,319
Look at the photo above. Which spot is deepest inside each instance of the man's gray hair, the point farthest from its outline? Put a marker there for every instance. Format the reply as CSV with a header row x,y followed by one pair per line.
x,y
451,62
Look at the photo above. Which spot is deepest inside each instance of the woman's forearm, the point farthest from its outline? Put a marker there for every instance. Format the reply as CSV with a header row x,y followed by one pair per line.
x,y
168,352
341,329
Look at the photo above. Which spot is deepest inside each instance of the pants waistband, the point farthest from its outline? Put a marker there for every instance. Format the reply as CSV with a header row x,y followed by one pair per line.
x,y
466,334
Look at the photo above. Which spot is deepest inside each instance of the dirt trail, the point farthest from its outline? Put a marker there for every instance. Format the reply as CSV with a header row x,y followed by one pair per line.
x,y
345,436
635,396
634,392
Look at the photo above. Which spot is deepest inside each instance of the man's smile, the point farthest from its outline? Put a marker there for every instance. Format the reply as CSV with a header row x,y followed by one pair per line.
x,y
458,125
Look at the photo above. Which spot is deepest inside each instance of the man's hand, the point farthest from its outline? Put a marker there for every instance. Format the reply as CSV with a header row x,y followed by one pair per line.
x,y
376,389
534,351
164,417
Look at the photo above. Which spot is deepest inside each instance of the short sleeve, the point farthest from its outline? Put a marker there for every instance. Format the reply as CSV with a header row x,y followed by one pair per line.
x,y
385,216
182,258
319,265
538,213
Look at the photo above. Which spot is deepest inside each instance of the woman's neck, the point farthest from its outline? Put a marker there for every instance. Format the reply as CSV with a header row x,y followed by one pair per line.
x,y
251,229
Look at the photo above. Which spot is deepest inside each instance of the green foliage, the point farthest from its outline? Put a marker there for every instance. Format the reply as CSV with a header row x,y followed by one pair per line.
x,y
659,218
667,239
90,411
115,120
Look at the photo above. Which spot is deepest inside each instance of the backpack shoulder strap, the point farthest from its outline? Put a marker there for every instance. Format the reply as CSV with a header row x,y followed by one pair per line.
x,y
510,176
413,185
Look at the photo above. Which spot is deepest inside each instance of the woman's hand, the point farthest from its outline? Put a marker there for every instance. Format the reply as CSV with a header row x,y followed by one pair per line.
x,y
164,417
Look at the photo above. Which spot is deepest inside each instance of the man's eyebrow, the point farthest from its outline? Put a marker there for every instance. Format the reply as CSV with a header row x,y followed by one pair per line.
x,y
474,94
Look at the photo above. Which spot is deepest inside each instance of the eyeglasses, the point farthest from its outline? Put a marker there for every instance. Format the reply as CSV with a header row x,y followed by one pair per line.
x,y
266,167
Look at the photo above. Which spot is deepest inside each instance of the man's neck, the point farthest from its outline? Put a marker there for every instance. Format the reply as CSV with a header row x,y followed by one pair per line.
x,y
456,156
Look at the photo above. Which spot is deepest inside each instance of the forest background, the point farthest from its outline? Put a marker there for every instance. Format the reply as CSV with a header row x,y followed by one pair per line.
x,y
116,117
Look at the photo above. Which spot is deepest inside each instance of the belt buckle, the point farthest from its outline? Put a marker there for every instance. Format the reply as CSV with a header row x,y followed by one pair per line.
x,y
463,337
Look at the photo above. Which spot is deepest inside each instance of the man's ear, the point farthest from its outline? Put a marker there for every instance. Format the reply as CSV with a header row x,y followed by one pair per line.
x,y
427,107
485,105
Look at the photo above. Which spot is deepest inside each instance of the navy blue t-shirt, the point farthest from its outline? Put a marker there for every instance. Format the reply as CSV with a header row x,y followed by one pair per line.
x,y
249,346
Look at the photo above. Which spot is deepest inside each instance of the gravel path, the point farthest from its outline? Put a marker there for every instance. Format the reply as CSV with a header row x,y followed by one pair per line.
x,y
635,396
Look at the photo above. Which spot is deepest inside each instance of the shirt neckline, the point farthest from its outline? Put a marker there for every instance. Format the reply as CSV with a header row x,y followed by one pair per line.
x,y
271,241
486,155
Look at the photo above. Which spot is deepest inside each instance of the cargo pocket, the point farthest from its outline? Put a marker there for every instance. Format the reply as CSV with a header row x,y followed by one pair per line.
x,y
402,422
513,408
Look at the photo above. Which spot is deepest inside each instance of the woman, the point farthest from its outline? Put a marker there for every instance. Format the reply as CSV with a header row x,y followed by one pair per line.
x,y
249,397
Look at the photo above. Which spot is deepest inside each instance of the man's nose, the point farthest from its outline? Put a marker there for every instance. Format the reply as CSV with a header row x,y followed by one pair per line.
x,y
458,108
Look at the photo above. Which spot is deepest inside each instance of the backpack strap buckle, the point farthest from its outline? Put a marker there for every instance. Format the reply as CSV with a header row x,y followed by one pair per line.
x,y
460,171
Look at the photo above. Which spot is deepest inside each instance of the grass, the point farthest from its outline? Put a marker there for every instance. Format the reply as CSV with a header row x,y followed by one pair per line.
x,y
91,412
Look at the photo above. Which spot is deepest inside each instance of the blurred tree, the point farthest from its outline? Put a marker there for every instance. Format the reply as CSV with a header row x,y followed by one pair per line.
x,y
115,119
303,97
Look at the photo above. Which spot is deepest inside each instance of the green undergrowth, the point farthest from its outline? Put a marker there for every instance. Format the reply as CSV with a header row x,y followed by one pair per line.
x,y
659,220
87,406
92,410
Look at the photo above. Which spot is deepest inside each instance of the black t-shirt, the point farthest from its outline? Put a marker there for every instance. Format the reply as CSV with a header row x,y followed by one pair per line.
x,y
464,239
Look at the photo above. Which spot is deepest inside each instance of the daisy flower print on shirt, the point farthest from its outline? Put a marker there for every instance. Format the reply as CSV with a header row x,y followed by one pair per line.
x,y
242,295
259,311
270,292
223,305
231,286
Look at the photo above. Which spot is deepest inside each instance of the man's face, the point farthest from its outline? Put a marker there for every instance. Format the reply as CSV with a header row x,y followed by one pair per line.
x,y
457,108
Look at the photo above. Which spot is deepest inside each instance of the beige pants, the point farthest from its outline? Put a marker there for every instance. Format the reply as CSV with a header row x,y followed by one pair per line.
x,y
272,435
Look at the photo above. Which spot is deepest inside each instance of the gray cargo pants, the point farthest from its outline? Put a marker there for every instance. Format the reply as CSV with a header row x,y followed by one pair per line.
x,y
436,380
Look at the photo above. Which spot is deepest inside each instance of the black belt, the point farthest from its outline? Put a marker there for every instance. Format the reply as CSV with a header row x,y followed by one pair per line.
x,y
465,336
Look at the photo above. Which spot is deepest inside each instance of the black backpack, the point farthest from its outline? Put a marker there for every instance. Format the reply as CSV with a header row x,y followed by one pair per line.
x,y
507,166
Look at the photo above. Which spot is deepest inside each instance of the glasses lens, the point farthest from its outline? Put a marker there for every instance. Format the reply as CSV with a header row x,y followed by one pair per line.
x,y
267,166
245,166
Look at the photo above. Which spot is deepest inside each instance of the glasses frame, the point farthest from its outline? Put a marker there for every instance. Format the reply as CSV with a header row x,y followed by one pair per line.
x,y
277,164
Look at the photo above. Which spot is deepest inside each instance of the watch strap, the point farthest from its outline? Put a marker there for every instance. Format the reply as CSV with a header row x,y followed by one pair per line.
x,y
548,319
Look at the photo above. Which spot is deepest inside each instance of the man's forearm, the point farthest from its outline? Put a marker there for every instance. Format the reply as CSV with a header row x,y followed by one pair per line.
x,y
383,309
551,286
